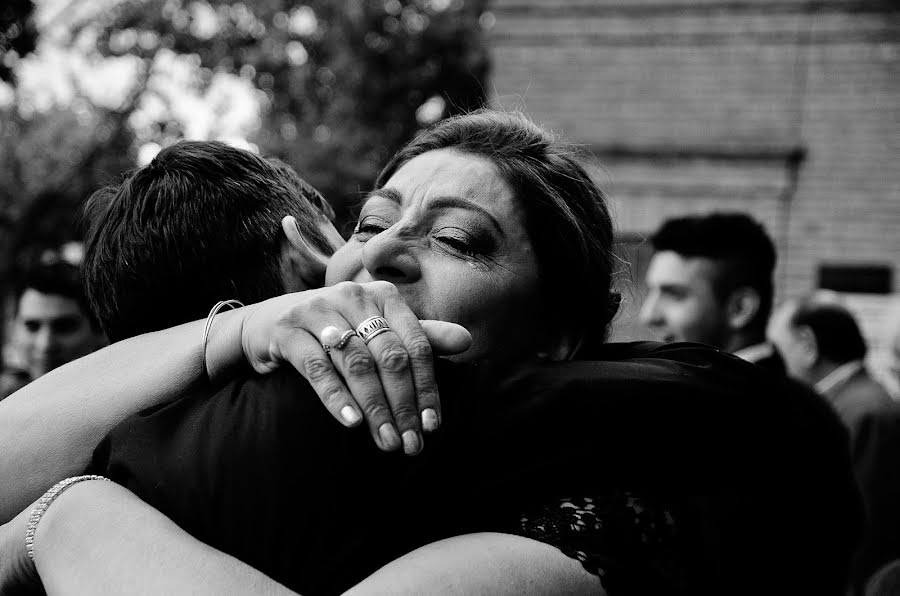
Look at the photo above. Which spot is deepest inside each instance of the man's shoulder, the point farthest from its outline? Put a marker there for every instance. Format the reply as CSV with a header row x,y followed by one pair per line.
x,y
865,388
673,411
697,369
192,441
861,396
247,405
220,463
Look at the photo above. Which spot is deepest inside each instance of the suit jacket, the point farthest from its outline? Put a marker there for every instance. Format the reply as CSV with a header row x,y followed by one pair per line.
x,y
873,420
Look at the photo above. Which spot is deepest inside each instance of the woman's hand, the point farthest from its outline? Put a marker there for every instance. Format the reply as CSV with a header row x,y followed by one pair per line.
x,y
17,572
389,381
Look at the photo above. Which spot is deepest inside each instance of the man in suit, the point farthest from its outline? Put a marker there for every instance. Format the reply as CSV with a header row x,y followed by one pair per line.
x,y
710,281
822,345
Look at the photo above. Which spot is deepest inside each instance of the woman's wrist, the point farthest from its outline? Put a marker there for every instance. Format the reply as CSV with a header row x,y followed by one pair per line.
x,y
70,523
223,353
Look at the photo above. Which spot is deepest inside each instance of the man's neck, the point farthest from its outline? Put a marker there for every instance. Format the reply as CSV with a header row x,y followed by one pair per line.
x,y
740,341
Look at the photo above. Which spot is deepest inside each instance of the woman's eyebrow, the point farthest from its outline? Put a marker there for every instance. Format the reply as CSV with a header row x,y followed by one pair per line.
x,y
438,203
386,193
461,203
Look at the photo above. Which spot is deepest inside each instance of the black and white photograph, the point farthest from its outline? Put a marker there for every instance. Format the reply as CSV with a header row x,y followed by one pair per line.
x,y
450,297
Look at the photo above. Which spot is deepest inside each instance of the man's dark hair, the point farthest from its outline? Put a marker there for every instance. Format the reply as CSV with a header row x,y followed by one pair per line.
x,y
199,224
55,279
738,243
837,334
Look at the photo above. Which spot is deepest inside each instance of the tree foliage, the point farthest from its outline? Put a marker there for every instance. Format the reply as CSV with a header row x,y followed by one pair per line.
x,y
342,84
17,34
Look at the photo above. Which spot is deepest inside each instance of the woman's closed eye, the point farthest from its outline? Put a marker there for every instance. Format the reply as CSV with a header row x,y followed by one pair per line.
x,y
369,226
460,242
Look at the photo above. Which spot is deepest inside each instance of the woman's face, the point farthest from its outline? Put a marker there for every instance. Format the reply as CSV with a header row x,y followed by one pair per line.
x,y
447,230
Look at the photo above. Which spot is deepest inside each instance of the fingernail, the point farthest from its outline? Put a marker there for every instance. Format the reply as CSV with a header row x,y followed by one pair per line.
x,y
429,420
350,415
389,438
411,442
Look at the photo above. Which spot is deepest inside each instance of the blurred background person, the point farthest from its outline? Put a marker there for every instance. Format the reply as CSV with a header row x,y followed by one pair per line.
x,y
892,328
51,324
710,281
823,346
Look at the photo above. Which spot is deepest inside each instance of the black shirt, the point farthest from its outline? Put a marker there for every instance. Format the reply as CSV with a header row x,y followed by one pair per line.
x,y
752,475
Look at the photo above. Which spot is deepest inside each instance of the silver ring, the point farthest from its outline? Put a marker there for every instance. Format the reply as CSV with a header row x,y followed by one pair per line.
x,y
331,341
345,337
372,327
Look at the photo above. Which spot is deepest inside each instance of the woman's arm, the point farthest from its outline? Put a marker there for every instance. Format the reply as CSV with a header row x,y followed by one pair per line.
x,y
99,538
49,428
486,563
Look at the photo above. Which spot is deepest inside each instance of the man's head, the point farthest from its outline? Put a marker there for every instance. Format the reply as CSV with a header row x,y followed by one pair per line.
x,y
710,280
53,323
815,335
201,223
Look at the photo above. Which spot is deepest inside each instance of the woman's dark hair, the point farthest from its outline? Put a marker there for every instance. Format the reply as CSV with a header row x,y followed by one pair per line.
x,y
565,211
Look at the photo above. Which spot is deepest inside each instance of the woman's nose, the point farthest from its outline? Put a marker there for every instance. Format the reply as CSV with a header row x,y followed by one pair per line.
x,y
388,256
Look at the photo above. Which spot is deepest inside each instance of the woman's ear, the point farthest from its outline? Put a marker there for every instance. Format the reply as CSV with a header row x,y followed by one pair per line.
x,y
743,304
302,265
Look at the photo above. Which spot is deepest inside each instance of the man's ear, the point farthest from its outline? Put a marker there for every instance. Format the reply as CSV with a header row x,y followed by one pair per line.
x,y
808,351
743,304
302,265
326,228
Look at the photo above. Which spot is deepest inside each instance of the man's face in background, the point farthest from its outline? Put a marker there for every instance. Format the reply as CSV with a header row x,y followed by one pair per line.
x,y
681,304
50,330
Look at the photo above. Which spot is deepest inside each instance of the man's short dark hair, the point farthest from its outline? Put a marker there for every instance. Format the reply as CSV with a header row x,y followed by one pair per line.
x,y
54,279
741,246
199,224
837,334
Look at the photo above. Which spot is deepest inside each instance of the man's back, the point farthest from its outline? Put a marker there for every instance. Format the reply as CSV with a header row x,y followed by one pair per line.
x,y
260,470
858,397
873,421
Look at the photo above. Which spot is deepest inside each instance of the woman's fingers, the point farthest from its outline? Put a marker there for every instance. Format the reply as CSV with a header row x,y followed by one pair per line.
x,y
446,339
350,402
424,411
388,381
359,369
395,375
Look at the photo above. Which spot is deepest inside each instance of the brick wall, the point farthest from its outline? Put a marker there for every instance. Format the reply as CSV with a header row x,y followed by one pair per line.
x,y
787,109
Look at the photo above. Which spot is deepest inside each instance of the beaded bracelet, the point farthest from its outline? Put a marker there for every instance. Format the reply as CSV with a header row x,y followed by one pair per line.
x,y
44,502
209,319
